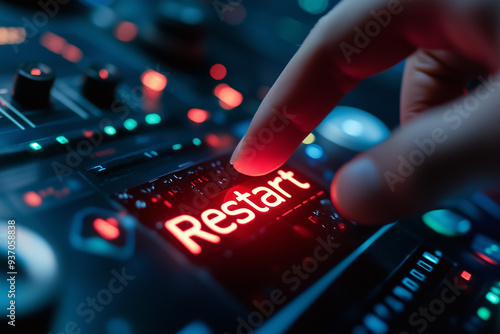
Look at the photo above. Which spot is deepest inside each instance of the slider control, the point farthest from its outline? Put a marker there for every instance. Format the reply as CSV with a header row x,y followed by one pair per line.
x,y
32,85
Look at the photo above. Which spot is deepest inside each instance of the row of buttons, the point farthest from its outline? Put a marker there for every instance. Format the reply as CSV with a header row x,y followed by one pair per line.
x,y
394,303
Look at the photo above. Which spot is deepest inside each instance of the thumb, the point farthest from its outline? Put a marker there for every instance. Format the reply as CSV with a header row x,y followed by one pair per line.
x,y
447,151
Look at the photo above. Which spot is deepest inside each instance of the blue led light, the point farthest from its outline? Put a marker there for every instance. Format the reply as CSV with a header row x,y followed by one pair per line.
x,y
314,151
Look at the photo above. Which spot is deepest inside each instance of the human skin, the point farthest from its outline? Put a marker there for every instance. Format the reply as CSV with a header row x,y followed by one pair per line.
x,y
447,42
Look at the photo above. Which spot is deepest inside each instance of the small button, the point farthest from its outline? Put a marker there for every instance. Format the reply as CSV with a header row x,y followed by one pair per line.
x,y
394,304
382,311
447,223
402,293
353,128
375,324
32,85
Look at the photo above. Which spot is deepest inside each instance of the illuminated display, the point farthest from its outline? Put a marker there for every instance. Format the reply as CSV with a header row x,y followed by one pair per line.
x,y
217,219
250,233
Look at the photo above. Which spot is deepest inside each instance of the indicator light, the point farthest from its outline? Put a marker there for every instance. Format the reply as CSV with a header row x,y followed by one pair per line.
x,y
495,290
62,140
32,199
314,151
447,223
229,97
314,6
431,258
153,119
197,141
309,139
198,115
130,124
218,72
154,80
36,72
103,74
109,130
492,298
72,53
108,229
88,133
483,313
176,147
126,31
465,275
35,146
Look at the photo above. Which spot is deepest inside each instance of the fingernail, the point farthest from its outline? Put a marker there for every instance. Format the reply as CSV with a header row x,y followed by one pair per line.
x,y
236,153
358,193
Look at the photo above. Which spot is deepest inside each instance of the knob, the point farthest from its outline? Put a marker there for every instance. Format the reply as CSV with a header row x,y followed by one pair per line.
x,y
99,84
179,32
32,85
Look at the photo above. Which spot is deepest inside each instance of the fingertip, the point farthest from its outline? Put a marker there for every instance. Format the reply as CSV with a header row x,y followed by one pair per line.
x,y
358,193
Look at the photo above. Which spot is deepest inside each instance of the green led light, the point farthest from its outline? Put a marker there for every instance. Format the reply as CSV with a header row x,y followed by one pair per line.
x,y
495,290
130,124
109,130
447,223
483,313
494,248
314,6
488,251
153,119
197,141
176,147
62,140
35,146
492,298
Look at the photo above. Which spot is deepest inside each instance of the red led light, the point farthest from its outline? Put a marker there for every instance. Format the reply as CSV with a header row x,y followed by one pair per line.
x,y
259,200
72,53
103,74
126,31
218,72
198,115
32,199
108,229
465,275
229,97
88,133
219,141
154,80
53,42
487,259
36,72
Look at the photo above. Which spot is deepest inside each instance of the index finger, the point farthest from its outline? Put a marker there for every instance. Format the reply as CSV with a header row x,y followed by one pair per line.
x,y
353,41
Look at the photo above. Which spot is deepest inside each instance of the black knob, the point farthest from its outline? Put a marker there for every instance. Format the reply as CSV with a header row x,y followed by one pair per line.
x,y
32,85
99,84
179,33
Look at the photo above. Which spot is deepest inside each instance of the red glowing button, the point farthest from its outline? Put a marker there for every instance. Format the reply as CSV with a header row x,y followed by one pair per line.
x,y
198,115
465,275
72,53
154,80
229,97
108,229
126,31
103,74
218,72
36,72
32,199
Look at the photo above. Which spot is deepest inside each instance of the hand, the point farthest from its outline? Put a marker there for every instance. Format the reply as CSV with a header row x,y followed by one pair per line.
x,y
450,140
